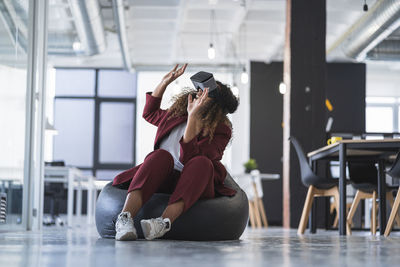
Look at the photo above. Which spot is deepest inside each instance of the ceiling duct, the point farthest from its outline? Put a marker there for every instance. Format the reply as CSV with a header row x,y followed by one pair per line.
x,y
86,17
387,50
12,13
119,18
89,25
382,19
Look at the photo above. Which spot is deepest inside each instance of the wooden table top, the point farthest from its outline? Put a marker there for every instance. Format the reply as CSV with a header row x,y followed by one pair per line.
x,y
355,152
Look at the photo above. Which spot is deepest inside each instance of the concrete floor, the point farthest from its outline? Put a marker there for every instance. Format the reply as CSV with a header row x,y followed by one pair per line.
x,y
81,246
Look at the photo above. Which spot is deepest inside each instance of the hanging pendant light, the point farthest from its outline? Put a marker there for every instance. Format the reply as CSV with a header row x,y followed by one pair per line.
x,y
282,88
365,7
211,51
244,77
77,46
235,90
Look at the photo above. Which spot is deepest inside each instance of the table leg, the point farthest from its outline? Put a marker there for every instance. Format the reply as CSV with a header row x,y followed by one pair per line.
x,y
94,199
89,209
342,189
79,202
312,218
327,204
9,199
382,196
262,211
256,207
251,215
312,222
70,205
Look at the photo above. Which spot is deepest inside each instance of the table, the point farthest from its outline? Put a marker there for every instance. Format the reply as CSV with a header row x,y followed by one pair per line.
x,y
74,178
358,149
254,193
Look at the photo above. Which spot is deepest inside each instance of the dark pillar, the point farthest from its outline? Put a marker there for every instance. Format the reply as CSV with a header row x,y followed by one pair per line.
x,y
304,101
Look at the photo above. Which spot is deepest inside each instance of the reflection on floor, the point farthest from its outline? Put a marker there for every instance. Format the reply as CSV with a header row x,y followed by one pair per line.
x,y
81,246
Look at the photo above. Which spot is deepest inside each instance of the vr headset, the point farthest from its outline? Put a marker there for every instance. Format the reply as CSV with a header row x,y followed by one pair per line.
x,y
202,80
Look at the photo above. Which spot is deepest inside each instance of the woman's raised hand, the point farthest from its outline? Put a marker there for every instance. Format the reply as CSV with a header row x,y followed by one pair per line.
x,y
173,74
167,79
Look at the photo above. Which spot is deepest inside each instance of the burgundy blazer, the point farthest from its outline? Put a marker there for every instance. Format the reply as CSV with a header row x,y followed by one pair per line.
x,y
197,146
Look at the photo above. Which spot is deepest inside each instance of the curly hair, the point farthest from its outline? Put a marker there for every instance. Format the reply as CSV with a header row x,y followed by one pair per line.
x,y
214,112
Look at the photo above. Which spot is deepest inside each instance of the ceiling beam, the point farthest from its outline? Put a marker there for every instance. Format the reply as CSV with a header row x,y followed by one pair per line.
x,y
236,26
177,38
119,19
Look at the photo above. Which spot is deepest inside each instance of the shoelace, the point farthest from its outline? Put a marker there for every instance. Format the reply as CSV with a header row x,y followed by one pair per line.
x,y
123,219
159,225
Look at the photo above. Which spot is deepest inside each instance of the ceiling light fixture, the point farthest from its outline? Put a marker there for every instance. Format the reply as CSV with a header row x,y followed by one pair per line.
x,y
77,46
244,77
211,49
365,7
282,88
235,90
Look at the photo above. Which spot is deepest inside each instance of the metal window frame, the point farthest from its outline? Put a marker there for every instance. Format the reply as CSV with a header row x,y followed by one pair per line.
x,y
98,100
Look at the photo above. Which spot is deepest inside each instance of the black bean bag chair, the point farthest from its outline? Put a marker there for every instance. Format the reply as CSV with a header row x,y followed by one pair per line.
x,y
220,218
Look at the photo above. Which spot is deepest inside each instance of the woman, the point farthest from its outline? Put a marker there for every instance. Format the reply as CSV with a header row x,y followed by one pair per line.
x,y
191,138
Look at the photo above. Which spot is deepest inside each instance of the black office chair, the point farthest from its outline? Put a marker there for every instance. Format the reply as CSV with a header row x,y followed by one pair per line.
x,y
54,194
364,178
395,173
317,186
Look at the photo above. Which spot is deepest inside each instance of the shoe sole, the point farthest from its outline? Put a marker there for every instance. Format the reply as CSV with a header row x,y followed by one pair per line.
x,y
146,230
128,236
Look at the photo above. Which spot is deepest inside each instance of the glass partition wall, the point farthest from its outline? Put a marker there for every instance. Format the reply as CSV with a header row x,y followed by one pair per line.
x,y
20,109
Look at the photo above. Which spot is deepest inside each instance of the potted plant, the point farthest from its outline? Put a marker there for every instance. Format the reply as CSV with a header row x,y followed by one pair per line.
x,y
250,165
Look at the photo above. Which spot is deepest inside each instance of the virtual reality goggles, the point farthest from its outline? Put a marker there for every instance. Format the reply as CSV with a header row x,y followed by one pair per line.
x,y
202,80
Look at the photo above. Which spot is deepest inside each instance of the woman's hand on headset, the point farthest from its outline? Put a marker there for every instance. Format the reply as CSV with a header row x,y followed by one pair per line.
x,y
194,123
195,105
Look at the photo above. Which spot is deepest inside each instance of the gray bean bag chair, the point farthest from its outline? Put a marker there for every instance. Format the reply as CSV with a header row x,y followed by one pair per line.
x,y
220,218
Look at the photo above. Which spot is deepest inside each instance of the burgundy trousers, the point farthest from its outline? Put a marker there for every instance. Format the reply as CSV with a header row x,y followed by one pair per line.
x,y
157,175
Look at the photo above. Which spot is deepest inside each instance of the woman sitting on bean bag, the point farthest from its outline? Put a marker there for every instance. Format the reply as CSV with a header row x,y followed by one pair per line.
x,y
190,141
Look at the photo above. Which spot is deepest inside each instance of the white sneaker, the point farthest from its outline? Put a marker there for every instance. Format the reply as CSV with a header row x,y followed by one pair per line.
x,y
155,228
124,227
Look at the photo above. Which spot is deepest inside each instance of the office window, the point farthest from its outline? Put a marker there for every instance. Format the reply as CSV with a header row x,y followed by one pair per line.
x,y
114,83
74,121
95,119
380,119
116,132
382,114
75,82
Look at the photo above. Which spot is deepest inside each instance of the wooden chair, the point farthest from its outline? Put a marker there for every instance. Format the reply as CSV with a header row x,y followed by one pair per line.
x,y
363,176
317,186
360,195
395,173
258,218
334,208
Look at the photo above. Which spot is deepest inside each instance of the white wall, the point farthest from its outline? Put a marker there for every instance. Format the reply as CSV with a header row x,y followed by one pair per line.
x,y
12,122
50,94
237,151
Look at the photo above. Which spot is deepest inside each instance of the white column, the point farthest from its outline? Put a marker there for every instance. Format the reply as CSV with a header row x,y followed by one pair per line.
x,y
35,115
